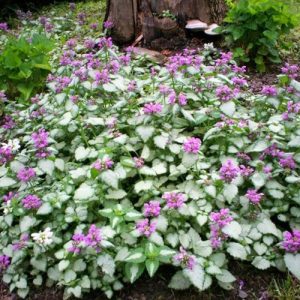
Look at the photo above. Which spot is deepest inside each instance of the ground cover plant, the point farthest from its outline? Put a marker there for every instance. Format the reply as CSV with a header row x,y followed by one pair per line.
x,y
122,166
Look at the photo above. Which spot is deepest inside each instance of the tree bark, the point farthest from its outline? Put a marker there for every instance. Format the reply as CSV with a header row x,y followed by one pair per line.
x,y
132,18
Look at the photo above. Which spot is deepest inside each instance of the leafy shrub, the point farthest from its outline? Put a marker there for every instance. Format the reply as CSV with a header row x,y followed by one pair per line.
x,y
253,29
124,166
24,65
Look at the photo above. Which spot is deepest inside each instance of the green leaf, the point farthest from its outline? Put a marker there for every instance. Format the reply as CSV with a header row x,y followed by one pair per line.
x,y
84,192
69,276
6,182
179,281
106,262
233,229
198,278
261,263
292,262
63,265
110,178
134,271
145,132
152,266
226,277
136,256
228,108
237,251
45,209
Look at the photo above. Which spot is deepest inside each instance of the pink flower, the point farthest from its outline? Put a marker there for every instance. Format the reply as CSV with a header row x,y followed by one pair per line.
x,y
152,209
253,196
291,242
219,220
269,90
152,108
192,145
225,93
93,238
173,199
145,227
4,262
138,162
21,243
26,174
185,259
108,24
105,164
77,242
31,202
229,171
287,162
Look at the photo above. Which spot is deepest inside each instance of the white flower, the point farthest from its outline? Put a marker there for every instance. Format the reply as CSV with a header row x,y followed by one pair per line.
x,y
13,144
209,46
8,208
43,237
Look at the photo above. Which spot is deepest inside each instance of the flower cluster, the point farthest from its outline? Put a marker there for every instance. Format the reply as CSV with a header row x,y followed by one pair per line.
x,y
31,202
253,196
103,164
40,140
152,209
229,171
145,227
192,145
219,220
152,108
173,199
186,260
291,241
26,174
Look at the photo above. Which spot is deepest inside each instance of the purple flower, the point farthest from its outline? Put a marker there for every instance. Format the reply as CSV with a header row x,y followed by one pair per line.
x,y
152,209
239,81
31,202
225,93
21,243
219,220
138,162
6,155
105,42
185,259
287,162
290,70
108,24
4,262
72,6
269,90
192,145
26,174
173,199
40,138
131,86
246,171
9,196
94,26
104,164
8,123
93,238
152,108
3,26
253,196
3,97
229,171
77,241
145,227
291,241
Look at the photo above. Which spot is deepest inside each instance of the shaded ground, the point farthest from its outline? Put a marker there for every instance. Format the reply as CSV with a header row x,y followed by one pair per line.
x,y
251,284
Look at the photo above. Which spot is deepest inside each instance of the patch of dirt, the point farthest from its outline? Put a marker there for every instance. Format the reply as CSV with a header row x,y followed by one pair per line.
x,y
251,284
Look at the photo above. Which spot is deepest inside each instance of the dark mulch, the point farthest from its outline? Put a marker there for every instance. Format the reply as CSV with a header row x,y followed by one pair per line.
x,y
255,287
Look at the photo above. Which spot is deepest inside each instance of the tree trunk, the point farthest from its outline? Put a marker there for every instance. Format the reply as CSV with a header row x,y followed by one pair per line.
x,y
131,18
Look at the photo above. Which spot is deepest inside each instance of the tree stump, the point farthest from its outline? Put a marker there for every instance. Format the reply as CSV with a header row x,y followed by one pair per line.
x,y
131,18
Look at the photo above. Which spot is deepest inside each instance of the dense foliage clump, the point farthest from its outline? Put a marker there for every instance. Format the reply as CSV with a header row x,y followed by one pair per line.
x,y
253,29
123,166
